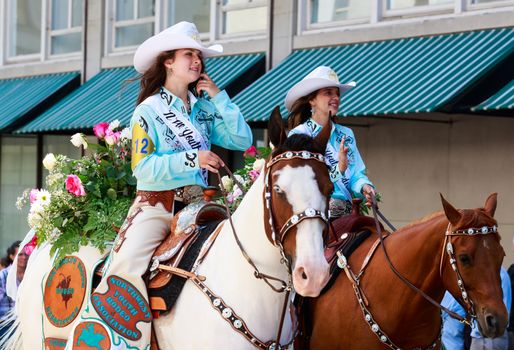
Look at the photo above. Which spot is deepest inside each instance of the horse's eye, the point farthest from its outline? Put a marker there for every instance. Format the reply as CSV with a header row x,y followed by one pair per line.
x,y
277,189
465,259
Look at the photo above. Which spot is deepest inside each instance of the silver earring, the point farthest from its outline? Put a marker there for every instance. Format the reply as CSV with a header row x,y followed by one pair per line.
x,y
313,110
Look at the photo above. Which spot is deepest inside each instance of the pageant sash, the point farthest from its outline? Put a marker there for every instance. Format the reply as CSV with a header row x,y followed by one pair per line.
x,y
187,135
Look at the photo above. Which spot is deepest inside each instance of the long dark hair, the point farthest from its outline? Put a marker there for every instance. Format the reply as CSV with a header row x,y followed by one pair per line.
x,y
155,77
301,110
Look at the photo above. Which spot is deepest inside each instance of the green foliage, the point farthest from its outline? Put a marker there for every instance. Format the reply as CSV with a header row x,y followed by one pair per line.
x,y
69,218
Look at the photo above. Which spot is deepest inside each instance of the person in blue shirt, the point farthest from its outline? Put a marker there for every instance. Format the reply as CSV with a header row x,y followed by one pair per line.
x,y
453,330
180,113
311,102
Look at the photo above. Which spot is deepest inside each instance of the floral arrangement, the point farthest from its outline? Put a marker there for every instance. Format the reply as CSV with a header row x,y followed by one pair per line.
x,y
254,161
85,199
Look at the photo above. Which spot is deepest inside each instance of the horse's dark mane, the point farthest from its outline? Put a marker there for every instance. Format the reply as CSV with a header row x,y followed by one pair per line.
x,y
299,142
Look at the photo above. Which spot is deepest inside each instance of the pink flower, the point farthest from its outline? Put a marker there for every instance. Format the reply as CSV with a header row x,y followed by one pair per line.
x,y
100,129
33,195
74,186
112,138
29,247
250,151
254,174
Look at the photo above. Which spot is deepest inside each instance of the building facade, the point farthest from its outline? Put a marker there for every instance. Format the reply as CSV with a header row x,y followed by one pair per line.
x,y
419,131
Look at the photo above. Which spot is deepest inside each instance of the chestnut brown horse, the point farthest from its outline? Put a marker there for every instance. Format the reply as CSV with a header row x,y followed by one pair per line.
x,y
433,253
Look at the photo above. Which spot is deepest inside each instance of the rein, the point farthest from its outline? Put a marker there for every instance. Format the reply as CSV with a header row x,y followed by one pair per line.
x,y
405,280
284,286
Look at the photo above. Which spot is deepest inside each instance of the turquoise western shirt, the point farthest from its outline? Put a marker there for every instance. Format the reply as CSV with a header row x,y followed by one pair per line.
x,y
162,162
355,176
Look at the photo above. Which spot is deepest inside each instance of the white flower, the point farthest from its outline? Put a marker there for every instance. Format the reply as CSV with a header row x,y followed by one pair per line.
x,y
258,164
114,124
49,161
240,179
34,219
37,208
227,182
43,197
126,134
237,192
79,139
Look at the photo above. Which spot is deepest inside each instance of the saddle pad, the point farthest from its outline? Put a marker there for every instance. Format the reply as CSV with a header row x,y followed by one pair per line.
x,y
166,295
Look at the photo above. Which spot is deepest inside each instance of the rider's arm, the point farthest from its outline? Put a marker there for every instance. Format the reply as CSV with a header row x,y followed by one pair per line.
x,y
230,128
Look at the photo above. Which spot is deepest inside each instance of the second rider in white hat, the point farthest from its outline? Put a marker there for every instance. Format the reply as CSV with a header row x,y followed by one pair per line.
x,y
311,102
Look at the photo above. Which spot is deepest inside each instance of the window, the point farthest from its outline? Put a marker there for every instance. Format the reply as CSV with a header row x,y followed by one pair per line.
x,y
243,16
24,27
404,4
324,11
66,26
133,22
484,1
17,173
195,11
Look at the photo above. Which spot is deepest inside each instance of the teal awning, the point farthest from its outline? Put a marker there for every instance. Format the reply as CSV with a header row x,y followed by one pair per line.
x,y
112,95
503,99
411,75
21,97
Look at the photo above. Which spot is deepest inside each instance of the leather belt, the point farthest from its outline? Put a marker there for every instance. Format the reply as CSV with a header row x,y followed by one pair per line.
x,y
153,197
186,194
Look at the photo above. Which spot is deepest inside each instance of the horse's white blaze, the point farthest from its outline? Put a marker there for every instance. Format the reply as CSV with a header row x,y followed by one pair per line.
x,y
310,270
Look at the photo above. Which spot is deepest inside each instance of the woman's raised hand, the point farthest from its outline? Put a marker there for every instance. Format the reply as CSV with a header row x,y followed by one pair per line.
x,y
367,191
343,156
210,161
206,84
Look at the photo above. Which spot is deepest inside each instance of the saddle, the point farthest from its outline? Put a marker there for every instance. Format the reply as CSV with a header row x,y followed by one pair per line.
x,y
192,229
348,232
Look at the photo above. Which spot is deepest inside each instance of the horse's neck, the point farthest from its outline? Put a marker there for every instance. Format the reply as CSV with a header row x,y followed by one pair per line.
x,y
420,247
249,222
416,253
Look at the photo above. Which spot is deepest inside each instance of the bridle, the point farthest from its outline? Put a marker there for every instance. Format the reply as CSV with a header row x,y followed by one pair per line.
x,y
277,240
448,246
295,219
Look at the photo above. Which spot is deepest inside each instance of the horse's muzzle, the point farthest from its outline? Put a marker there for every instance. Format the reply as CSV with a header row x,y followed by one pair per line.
x,y
492,324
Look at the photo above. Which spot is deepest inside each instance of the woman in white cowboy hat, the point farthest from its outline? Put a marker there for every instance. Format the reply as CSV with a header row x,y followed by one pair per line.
x,y
311,102
173,128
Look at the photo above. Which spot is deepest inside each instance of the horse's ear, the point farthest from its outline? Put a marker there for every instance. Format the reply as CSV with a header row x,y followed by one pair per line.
x,y
452,214
276,130
324,135
490,204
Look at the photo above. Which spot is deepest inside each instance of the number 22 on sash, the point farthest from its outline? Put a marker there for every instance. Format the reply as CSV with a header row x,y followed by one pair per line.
x,y
144,146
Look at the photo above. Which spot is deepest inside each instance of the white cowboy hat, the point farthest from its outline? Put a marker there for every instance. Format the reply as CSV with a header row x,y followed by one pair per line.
x,y
319,78
182,35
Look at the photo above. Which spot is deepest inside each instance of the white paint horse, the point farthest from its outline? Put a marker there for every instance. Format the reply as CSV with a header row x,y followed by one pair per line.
x,y
280,221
